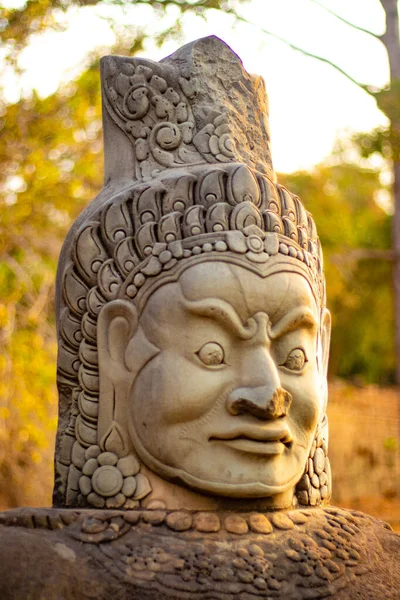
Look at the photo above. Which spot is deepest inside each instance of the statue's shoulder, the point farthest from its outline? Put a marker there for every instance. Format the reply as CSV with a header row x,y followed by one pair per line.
x,y
299,554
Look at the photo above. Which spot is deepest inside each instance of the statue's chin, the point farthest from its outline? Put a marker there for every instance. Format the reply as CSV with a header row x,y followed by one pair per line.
x,y
251,489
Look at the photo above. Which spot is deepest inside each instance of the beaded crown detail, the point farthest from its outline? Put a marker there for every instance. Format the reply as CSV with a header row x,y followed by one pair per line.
x,y
194,197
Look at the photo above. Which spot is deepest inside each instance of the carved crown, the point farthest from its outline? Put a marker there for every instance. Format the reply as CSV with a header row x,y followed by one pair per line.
x,y
174,115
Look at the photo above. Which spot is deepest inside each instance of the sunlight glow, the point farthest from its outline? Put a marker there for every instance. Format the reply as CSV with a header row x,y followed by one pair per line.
x,y
311,104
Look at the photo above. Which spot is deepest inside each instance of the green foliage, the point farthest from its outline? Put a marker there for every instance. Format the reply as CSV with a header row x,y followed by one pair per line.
x,y
383,140
372,142
18,25
390,444
388,101
50,153
352,228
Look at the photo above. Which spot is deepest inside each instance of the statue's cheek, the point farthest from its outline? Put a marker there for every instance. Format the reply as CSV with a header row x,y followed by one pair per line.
x,y
172,389
306,407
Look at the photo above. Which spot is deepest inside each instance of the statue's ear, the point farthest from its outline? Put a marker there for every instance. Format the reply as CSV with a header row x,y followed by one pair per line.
x,y
325,340
117,324
323,353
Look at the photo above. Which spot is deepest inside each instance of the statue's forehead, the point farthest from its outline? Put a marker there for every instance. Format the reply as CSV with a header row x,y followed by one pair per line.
x,y
245,291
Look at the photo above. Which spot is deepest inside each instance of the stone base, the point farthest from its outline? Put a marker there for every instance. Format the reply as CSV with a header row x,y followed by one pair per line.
x,y
62,554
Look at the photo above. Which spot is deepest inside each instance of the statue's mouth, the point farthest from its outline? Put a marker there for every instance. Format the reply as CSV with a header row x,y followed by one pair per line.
x,y
257,440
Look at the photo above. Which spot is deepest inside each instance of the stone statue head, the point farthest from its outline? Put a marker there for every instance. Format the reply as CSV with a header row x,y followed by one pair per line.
x,y
193,333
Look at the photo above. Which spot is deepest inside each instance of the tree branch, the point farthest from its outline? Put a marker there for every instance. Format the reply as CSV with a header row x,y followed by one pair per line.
x,y
306,53
390,38
358,254
183,5
41,300
346,22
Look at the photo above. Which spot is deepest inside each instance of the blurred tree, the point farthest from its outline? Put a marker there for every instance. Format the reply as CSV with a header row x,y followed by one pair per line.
x,y
19,25
388,101
386,141
51,167
50,156
354,232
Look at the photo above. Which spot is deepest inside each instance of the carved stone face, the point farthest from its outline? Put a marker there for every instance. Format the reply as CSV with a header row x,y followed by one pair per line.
x,y
228,399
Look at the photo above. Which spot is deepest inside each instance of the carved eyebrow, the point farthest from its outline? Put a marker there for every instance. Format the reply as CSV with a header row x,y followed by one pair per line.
x,y
222,311
296,318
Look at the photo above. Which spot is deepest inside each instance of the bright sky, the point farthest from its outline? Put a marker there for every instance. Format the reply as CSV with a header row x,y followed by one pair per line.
x,y
311,104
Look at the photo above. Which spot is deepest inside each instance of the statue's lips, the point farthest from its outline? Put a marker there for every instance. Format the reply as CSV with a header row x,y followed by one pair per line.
x,y
256,440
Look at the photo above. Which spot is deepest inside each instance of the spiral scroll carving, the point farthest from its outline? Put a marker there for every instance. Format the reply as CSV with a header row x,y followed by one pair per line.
x,y
154,112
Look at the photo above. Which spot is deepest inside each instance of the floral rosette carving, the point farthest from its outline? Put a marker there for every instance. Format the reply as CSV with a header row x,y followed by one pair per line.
x,y
214,141
111,481
254,243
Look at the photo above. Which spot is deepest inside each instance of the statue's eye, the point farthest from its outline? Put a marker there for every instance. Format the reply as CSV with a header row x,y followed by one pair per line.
x,y
295,360
211,354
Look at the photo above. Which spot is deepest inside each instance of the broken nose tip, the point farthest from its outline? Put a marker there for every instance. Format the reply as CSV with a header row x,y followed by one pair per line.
x,y
257,402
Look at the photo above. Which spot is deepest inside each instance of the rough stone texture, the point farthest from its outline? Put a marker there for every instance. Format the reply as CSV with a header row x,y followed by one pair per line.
x,y
79,555
220,82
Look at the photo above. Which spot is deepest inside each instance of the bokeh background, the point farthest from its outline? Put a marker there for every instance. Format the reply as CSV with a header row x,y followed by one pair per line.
x,y
335,116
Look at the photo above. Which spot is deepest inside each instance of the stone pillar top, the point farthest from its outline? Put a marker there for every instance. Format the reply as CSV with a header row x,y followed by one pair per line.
x,y
197,106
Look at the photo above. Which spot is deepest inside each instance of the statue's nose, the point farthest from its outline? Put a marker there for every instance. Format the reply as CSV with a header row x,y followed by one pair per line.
x,y
262,396
261,402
